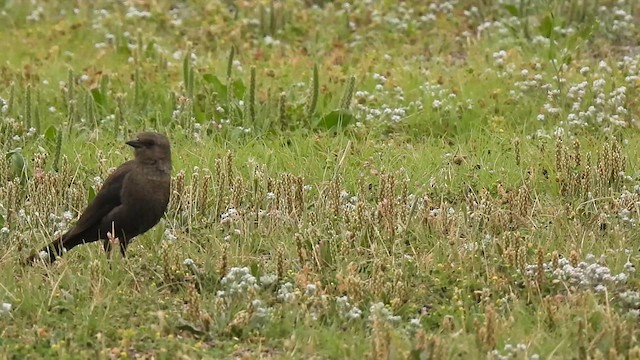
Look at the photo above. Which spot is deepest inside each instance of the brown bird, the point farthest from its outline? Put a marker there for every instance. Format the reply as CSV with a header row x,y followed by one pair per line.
x,y
131,201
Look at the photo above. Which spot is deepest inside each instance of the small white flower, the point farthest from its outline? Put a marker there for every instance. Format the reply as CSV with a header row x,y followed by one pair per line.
x,y
628,267
229,215
285,293
311,289
354,313
188,262
6,307
267,280
394,318
169,236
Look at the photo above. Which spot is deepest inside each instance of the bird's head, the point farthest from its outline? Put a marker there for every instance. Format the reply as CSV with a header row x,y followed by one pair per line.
x,y
151,148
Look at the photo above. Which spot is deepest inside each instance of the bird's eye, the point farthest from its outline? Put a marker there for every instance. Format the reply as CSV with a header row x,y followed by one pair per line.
x,y
148,143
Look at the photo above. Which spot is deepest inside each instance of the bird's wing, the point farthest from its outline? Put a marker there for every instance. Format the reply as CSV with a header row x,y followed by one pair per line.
x,y
106,200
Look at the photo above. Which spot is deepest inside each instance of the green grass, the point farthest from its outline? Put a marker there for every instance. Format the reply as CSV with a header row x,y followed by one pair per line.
x,y
460,182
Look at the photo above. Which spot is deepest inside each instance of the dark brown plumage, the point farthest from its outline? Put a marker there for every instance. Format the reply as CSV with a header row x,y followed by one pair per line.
x,y
132,200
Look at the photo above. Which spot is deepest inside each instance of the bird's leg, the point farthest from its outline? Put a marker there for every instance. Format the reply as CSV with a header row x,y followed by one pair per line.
x,y
107,246
123,248
111,240
54,250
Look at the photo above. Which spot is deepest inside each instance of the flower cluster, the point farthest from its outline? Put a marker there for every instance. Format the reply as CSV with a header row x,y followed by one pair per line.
x,y
346,310
586,274
238,281
510,352
379,311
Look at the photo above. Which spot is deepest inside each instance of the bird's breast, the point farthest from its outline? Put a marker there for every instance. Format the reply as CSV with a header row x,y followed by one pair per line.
x,y
146,195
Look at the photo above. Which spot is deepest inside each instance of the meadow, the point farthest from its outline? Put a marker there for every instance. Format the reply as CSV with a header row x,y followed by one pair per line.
x,y
441,179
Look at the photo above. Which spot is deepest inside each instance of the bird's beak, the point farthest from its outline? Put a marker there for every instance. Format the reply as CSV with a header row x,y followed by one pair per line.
x,y
134,143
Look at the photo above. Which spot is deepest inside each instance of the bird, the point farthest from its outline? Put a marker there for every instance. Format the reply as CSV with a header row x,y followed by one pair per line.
x,y
131,201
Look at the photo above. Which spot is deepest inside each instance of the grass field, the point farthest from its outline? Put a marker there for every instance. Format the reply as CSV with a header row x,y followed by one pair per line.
x,y
376,179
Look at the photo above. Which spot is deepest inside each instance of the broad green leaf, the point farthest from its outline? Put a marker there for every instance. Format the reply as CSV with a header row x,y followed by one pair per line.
x,y
238,88
546,26
512,9
255,269
337,119
98,97
91,194
51,133
218,86
18,165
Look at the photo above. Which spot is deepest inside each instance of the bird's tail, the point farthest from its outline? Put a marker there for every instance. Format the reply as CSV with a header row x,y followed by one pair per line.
x,y
55,249
49,253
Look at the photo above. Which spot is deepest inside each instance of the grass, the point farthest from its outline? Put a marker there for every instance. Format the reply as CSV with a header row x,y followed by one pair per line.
x,y
422,180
